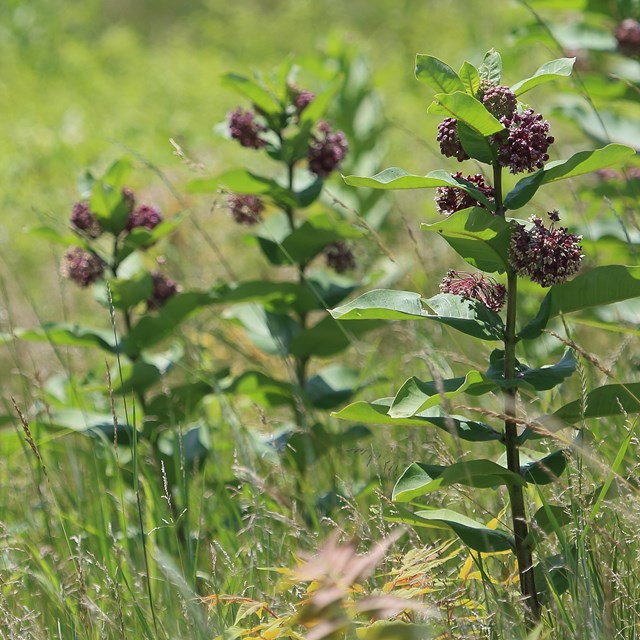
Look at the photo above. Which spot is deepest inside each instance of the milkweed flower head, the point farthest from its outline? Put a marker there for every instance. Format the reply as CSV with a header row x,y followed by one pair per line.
x,y
244,128
500,101
83,219
524,144
81,266
627,35
450,145
451,199
327,150
145,215
339,256
163,290
245,209
475,286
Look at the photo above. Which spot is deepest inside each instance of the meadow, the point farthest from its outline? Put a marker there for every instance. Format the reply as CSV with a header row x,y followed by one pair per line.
x,y
260,383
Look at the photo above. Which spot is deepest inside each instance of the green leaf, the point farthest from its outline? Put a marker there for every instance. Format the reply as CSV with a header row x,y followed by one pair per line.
x,y
546,470
178,403
479,237
559,68
437,74
138,376
470,78
415,396
377,413
262,388
109,205
92,423
128,293
577,165
609,400
259,96
142,238
549,517
491,67
596,288
53,235
474,534
466,109
468,316
475,145
419,479
332,386
117,174
65,334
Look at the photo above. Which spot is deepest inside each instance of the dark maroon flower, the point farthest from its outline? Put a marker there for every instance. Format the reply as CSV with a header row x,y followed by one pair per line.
x,y
163,289
547,255
523,147
628,36
450,145
451,199
327,150
500,101
83,267
145,215
485,85
244,128
475,286
245,209
339,256
84,220
301,99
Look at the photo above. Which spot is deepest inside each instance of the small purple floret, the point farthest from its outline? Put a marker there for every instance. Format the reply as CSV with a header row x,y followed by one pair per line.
x,y
82,267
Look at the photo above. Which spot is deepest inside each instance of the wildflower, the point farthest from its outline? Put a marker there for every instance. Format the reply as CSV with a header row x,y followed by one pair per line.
x,y
163,289
301,99
83,219
523,147
451,199
244,128
339,256
83,267
327,150
245,209
145,215
500,101
547,255
450,145
475,286
628,36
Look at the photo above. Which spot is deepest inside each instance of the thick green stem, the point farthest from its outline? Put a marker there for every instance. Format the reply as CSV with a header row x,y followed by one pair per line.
x,y
516,492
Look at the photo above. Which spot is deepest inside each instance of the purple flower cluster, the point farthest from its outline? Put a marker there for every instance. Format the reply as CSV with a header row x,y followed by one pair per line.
x,y
339,256
82,267
301,98
244,128
451,199
547,255
245,209
145,215
83,219
500,101
475,286
450,145
628,36
163,289
327,150
523,147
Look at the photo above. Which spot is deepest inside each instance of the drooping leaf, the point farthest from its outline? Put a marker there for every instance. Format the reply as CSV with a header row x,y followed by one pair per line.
x,y
377,413
419,479
382,304
549,71
332,386
437,74
259,96
579,164
466,109
470,78
416,396
53,235
100,425
474,534
65,334
491,67
545,470
595,288
479,237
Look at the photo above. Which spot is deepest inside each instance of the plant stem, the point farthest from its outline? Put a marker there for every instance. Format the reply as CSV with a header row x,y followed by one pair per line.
x,y
516,493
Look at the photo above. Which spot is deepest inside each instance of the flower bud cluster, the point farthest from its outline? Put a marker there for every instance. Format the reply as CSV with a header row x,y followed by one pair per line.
x,y
523,147
339,256
475,286
547,255
81,266
244,128
500,101
451,199
245,209
82,219
327,150
450,145
627,35
146,215
163,290
300,98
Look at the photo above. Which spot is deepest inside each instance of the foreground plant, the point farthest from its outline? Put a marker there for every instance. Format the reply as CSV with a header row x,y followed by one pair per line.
x,y
487,122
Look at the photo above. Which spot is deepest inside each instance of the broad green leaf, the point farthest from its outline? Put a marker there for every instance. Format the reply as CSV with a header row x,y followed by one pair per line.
x,y
138,376
128,293
332,386
577,165
475,145
437,74
546,470
377,413
559,68
419,479
474,534
491,67
117,174
261,388
178,403
416,396
274,296
468,316
192,446
479,237
466,109
595,288
109,206
62,333
470,78
549,518
609,400
250,89
53,235
142,238
96,424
